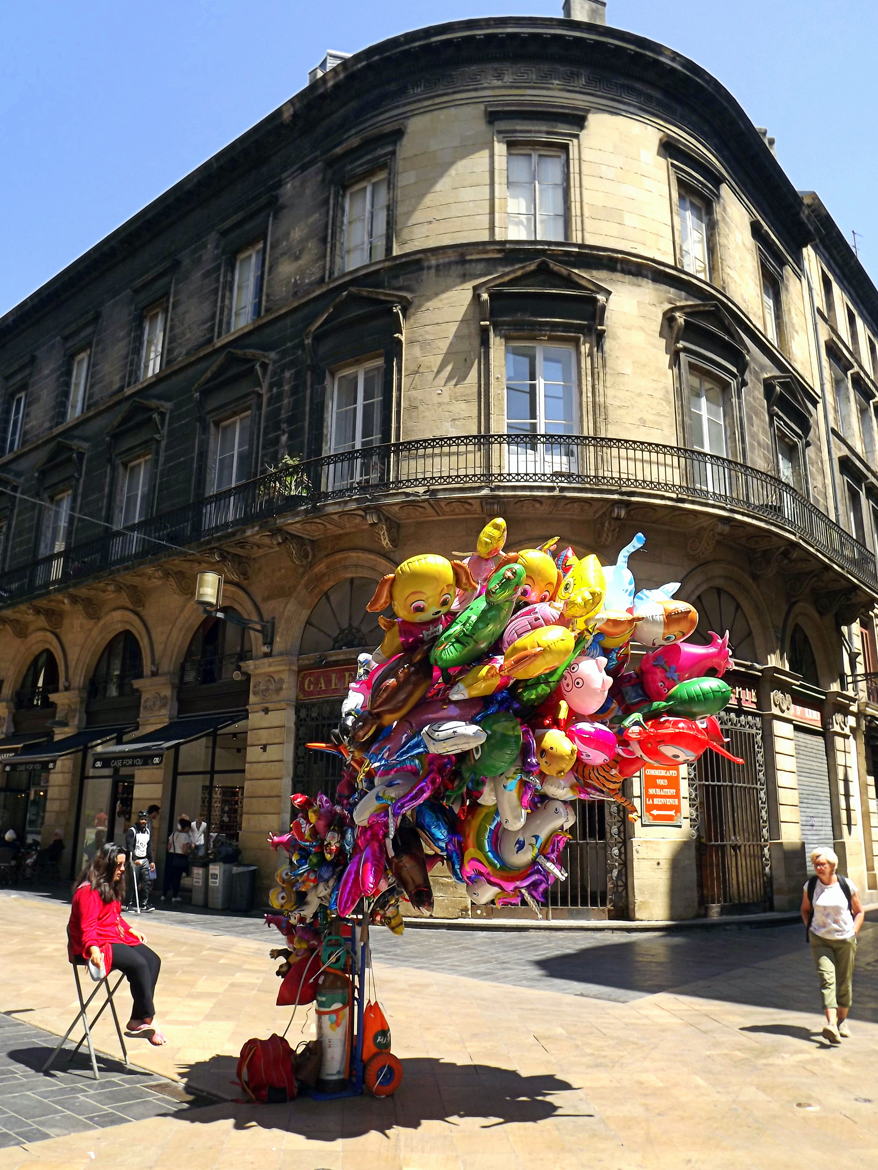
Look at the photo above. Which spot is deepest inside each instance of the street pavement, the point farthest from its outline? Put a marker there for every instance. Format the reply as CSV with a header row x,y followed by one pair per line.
x,y
695,1047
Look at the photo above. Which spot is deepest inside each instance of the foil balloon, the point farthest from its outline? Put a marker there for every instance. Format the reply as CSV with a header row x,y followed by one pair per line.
x,y
585,685
421,592
481,623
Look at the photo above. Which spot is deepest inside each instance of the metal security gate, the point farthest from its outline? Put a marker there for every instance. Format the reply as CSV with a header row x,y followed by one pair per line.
x,y
815,806
315,771
728,812
596,884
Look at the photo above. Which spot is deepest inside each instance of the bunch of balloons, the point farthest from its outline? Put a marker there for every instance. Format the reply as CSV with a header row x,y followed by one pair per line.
x,y
503,691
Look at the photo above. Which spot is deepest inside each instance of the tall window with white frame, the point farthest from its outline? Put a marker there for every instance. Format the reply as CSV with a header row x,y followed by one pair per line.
x,y
15,421
856,520
246,301
695,212
536,194
79,365
152,346
771,304
789,459
56,531
364,221
132,502
709,430
230,466
865,411
853,331
354,425
542,400
842,393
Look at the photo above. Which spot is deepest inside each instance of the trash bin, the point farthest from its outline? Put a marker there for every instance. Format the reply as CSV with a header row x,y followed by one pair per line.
x,y
243,887
198,873
219,885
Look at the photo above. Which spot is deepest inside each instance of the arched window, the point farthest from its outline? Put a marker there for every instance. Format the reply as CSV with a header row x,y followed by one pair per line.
x,y
801,657
40,680
215,652
119,664
719,611
340,620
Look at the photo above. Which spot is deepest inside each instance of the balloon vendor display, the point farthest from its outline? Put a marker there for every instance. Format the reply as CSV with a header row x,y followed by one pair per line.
x,y
504,690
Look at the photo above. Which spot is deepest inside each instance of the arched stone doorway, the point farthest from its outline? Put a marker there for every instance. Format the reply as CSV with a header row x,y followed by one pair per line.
x,y
338,628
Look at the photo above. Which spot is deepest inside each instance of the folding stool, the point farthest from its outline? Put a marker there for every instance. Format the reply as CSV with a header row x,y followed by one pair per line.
x,y
81,1017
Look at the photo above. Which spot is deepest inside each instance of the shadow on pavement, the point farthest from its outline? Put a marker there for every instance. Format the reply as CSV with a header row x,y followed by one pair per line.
x,y
431,1090
791,1030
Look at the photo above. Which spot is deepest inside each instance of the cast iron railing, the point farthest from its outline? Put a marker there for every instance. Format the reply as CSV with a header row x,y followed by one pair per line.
x,y
622,468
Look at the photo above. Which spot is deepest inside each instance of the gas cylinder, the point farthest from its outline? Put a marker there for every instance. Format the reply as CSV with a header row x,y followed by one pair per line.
x,y
334,1015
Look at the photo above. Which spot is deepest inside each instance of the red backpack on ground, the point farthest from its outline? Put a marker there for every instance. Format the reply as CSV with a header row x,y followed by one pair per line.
x,y
265,1070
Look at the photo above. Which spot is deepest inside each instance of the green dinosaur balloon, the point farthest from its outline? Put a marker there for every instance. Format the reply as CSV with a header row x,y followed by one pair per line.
x,y
481,623
500,750
692,699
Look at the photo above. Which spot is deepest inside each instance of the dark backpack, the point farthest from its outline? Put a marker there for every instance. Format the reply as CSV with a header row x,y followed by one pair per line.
x,y
812,886
265,1070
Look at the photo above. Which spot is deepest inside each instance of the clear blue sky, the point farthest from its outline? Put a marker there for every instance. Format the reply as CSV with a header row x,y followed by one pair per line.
x,y
105,103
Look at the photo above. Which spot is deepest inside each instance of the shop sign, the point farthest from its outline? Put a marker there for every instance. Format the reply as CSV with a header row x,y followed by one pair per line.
x,y
328,682
662,802
31,766
807,715
744,697
151,761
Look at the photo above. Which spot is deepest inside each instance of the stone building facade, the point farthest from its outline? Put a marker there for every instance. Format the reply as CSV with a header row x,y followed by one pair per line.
x,y
533,267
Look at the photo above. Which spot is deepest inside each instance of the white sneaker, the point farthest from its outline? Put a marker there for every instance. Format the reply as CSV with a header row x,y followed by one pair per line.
x,y
843,1029
831,1033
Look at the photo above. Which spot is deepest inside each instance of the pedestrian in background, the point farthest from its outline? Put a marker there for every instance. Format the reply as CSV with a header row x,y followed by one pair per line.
x,y
833,915
138,842
177,858
199,828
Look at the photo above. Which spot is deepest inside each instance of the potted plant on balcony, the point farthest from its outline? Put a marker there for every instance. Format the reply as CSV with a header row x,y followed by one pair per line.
x,y
284,480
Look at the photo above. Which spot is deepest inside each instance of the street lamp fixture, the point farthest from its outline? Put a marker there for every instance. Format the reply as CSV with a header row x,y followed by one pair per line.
x,y
209,595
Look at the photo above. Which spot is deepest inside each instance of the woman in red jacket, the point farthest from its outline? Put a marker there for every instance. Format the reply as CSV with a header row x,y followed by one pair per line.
x,y
99,933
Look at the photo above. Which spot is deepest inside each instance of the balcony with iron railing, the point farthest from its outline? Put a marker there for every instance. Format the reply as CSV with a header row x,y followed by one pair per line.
x,y
464,464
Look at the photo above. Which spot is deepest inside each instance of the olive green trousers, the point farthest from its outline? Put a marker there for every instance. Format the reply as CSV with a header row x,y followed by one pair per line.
x,y
834,959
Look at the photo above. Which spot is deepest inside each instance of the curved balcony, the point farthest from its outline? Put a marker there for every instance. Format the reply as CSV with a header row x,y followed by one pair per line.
x,y
463,464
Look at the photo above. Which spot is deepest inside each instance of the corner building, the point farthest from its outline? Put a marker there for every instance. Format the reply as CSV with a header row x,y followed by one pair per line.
x,y
530,267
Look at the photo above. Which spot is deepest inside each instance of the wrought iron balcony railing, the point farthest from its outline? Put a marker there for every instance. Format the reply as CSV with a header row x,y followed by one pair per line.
x,y
526,462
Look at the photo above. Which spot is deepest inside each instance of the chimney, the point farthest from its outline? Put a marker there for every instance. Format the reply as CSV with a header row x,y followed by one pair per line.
x,y
333,57
767,138
590,11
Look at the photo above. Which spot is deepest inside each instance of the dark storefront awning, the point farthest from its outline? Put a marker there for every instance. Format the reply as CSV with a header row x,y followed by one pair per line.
x,y
41,757
12,744
147,751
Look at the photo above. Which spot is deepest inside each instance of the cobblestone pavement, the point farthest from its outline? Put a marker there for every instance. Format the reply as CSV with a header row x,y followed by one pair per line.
x,y
610,1049
35,1106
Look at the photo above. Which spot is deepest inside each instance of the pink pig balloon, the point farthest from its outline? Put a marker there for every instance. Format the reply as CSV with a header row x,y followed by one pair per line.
x,y
584,685
595,743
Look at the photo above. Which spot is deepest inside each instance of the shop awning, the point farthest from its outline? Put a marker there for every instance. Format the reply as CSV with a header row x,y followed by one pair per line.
x,y
41,757
147,751
14,743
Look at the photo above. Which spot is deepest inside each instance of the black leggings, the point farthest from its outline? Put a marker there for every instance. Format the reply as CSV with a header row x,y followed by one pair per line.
x,y
140,967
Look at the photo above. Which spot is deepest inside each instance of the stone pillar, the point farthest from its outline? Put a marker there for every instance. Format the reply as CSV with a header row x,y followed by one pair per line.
x,y
158,706
843,771
269,763
662,877
62,782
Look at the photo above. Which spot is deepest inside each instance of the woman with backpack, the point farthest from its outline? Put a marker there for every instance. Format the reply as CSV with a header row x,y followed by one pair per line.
x,y
833,915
